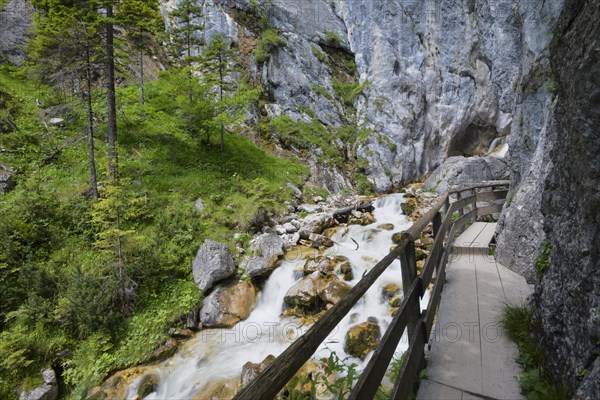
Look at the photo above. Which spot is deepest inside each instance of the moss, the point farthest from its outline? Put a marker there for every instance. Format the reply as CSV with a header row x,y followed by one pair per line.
x,y
348,91
321,91
542,262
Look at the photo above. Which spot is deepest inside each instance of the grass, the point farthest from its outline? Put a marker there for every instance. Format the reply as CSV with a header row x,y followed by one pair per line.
x,y
321,56
518,322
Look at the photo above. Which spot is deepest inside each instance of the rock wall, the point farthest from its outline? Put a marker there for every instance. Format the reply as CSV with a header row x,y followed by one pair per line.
x,y
16,20
568,296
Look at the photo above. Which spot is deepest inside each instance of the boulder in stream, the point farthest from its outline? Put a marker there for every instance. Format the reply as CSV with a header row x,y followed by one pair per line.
x,y
265,250
332,291
321,263
304,292
218,390
213,263
228,304
251,370
147,385
361,339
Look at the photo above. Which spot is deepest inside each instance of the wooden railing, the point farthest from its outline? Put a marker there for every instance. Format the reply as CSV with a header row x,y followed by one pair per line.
x,y
419,323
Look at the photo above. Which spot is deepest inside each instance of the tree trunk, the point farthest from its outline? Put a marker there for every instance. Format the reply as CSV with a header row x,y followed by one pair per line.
x,y
113,161
221,101
90,123
142,94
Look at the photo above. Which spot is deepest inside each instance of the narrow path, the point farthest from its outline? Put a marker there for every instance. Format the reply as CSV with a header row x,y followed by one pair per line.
x,y
470,357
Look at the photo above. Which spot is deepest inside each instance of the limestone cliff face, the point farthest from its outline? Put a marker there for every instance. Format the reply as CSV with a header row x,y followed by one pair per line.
x,y
568,296
439,78
16,20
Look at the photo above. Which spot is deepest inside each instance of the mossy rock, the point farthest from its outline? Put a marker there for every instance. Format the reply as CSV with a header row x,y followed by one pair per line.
x,y
147,385
410,206
420,254
361,339
397,237
391,290
386,227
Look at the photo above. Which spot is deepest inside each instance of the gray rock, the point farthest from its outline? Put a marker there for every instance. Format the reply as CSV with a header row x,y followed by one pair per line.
x,y
265,250
199,204
7,181
319,241
56,122
304,292
459,171
280,230
228,304
47,391
213,263
290,228
17,20
297,192
49,376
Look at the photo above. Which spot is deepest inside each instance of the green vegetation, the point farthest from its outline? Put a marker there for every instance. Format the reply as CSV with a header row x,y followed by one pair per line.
x,y
518,322
551,85
348,91
321,56
269,41
104,279
332,38
542,262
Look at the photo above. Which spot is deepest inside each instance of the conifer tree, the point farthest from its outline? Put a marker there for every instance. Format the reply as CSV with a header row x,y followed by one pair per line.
x,y
229,97
187,21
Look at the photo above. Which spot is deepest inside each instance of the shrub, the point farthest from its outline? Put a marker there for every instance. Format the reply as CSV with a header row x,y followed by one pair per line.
x,y
542,262
268,42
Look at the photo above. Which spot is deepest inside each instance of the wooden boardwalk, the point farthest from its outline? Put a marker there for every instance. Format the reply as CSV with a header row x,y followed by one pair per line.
x,y
470,356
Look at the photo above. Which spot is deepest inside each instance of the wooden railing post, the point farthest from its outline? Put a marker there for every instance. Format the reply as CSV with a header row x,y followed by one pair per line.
x,y
437,223
409,274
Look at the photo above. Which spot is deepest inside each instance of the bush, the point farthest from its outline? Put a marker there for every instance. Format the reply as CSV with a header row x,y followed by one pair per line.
x,y
268,42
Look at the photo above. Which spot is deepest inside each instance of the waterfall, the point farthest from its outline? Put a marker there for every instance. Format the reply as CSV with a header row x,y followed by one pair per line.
x,y
217,354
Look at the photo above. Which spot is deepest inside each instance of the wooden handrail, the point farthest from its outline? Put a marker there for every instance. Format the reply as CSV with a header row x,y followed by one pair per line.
x,y
270,382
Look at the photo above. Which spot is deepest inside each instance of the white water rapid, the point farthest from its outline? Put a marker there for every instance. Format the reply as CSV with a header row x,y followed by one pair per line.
x,y
220,353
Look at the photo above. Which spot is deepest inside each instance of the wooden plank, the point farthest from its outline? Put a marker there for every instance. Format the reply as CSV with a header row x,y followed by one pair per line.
x,y
463,202
479,185
410,369
369,381
465,219
491,196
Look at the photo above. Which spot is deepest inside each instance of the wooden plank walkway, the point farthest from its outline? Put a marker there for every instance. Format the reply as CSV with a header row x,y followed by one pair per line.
x,y
470,356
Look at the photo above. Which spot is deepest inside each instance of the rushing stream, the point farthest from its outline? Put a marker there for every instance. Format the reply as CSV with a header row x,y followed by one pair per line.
x,y
219,354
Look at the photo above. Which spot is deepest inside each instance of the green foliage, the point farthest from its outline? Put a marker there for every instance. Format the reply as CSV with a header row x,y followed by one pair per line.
x,y
319,54
518,322
348,91
551,86
542,262
332,38
60,262
269,41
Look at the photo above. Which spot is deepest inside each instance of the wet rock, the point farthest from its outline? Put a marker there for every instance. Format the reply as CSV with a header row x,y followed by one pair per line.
x,y
397,237
322,264
165,351
361,339
304,292
420,254
409,206
386,227
182,334
318,241
228,304
113,388
147,385
251,370
391,290
396,301
332,291
218,390
316,223
213,263
265,250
